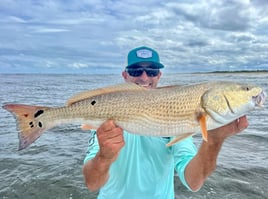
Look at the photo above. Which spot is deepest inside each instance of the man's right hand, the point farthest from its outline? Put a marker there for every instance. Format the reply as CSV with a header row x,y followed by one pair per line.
x,y
111,140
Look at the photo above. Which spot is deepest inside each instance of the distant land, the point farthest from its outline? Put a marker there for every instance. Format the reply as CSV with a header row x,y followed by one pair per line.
x,y
236,71
118,71
241,71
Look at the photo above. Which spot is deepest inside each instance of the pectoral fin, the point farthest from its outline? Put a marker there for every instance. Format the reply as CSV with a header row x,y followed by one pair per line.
x,y
87,127
178,138
203,125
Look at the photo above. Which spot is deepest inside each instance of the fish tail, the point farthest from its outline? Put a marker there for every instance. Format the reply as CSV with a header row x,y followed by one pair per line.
x,y
29,123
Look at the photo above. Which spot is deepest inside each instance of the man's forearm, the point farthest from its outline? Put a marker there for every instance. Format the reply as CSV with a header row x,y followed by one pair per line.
x,y
202,165
96,172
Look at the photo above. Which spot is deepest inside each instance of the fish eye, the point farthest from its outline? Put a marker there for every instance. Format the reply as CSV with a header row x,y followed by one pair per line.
x,y
246,88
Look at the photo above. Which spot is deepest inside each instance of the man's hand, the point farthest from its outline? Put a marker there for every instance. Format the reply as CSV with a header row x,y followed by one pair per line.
x,y
220,134
111,140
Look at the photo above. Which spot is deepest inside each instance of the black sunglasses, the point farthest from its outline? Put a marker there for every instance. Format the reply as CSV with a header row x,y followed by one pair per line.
x,y
136,72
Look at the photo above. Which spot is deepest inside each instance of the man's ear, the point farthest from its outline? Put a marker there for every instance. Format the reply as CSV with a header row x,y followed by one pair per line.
x,y
159,75
124,75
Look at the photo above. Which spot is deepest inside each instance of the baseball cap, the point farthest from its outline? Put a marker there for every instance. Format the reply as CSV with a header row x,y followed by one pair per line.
x,y
143,54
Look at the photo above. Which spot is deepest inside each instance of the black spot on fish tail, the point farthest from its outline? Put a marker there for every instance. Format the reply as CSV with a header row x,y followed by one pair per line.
x,y
31,124
93,102
39,112
40,124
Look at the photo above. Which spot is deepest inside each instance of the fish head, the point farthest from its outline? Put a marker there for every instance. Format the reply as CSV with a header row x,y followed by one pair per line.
x,y
228,101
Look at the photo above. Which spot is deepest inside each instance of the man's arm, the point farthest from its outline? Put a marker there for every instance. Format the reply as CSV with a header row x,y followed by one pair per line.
x,y
204,163
96,170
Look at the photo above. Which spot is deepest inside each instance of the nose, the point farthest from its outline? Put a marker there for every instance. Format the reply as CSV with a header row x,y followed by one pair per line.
x,y
144,76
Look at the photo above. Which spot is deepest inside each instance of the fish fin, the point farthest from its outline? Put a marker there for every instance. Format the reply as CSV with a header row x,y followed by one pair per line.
x,y
87,127
203,125
28,123
170,86
106,90
178,138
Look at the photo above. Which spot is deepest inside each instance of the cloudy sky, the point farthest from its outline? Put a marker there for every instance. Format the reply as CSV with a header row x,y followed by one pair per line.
x,y
92,36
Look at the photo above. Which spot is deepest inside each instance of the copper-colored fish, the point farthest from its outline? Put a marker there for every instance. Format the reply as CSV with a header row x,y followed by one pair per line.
x,y
169,111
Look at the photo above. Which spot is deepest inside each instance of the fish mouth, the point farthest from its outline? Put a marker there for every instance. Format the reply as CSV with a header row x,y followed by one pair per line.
x,y
259,99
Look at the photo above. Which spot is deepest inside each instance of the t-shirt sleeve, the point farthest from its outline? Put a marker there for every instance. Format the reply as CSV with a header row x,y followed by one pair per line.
x,y
93,147
183,152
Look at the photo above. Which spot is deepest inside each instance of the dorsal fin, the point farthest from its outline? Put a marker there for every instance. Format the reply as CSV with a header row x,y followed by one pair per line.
x,y
100,91
170,86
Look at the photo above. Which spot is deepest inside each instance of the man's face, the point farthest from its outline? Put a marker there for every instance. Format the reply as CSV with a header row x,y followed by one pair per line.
x,y
143,74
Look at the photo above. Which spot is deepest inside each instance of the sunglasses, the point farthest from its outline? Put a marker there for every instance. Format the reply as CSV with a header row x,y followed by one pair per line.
x,y
136,72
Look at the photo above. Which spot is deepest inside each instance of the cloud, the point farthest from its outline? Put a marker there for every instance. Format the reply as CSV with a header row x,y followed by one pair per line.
x,y
202,35
78,65
49,30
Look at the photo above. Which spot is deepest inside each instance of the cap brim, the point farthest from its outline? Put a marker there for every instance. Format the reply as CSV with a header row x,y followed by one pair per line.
x,y
154,64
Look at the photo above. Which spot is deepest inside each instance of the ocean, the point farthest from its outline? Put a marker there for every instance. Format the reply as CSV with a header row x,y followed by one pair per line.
x,y
51,168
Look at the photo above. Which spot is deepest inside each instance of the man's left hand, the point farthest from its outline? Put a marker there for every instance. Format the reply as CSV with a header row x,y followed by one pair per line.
x,y
220,134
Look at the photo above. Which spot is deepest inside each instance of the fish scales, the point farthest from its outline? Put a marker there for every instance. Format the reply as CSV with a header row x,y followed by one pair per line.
x,y
160,111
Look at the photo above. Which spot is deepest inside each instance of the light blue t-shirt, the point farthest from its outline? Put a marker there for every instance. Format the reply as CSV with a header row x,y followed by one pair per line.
x,y
145,167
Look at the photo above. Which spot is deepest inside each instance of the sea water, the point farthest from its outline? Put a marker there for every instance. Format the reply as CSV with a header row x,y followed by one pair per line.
x,y
52,166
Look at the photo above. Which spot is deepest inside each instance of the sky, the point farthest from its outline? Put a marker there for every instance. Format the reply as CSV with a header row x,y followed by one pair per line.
x,y
95,36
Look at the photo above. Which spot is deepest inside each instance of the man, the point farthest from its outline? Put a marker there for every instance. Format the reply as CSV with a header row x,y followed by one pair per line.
x,y
124,165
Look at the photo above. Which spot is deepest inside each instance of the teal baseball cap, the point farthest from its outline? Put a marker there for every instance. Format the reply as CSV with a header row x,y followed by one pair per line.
x,y
143,55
